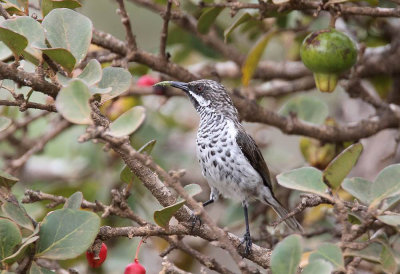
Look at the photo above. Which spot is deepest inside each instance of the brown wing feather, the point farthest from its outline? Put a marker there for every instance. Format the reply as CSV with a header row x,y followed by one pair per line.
x,y
253,154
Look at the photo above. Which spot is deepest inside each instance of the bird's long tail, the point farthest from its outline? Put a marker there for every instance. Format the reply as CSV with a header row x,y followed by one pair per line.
x,y
291,222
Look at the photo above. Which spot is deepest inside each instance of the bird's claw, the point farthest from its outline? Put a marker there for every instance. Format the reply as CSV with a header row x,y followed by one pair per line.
x,y
248,243
195,219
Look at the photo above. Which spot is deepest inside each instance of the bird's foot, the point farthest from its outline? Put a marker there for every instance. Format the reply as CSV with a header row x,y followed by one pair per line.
x,y
195,219
248,243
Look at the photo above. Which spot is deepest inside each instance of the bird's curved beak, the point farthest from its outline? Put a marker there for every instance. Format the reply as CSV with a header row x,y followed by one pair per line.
x,y
181,85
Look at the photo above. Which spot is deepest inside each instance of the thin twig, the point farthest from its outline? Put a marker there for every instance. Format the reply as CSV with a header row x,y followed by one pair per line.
x,y
164,32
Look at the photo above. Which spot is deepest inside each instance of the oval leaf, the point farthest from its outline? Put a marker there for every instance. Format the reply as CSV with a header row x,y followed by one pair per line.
x,y
21,251
393,220
128,122
318,266
286,256
243,18
387,184
253,58
18,214
67,233
92,73
10,237
388,260
5,122
7,180
48,5
331,253
61,56
359,188
207,18
73,102
118,79
70,30
15,41
74,201
163,216
306,108
306,179
339,167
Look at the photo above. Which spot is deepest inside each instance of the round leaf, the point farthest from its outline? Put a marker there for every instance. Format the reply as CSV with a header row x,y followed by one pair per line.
x,y
7,180
359,188
92,73
118,79
67,233
339,167
128,122
286,256
70,30
307,108
48,5
330,253
15,41
10,237
318,266
73,102
306,179
61,56
387,184
4,123
18,214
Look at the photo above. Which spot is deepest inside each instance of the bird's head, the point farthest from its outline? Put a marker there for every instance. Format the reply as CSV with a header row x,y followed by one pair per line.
x,y
205,95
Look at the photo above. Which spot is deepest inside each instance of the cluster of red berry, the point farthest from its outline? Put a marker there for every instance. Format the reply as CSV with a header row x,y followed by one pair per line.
x,y
132,268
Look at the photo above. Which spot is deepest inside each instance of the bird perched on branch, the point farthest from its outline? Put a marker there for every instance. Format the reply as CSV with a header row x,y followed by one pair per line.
x,y
230,159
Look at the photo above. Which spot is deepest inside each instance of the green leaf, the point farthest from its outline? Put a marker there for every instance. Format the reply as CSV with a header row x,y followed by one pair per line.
x,y
207,18
243,18
306,179
21,251
359,188
128,122
388,260
61,56
36,269
31,30
15,41
318,266
73,102
387,184
5,122
67,233
331,253
126,174
92,73
74,201
307,108
7,180
96,90
10,237
48,5
63,80
163,216
118,79
393,220
18,214
286,256
253,58
371,252
12,9
339,167
5,52
70,30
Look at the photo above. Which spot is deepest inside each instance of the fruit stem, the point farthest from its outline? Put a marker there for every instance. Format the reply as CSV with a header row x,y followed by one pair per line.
x,y
326,82
137,250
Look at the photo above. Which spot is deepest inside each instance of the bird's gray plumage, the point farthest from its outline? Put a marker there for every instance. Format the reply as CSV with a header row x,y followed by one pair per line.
x,y
230,159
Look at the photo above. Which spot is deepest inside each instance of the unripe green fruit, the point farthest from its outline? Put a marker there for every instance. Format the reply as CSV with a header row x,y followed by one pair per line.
x,y
328,53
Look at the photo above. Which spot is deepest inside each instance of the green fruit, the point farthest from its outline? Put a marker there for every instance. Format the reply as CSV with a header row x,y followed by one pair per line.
x,y
328,53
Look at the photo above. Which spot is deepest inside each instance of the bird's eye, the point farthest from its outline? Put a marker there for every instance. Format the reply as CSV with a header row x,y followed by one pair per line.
x,y
199,88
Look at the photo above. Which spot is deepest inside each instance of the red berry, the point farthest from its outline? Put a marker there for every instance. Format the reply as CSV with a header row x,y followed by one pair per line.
x,y
135,268
103,255
146,81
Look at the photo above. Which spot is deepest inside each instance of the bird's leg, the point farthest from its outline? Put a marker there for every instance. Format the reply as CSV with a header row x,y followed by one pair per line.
x,y
246,238
213,197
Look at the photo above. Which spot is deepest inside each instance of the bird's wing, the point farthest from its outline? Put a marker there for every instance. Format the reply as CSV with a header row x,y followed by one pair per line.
x,y
253,154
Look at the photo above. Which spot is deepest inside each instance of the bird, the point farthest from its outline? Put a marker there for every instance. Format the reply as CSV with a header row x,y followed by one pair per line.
x,y
231,161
